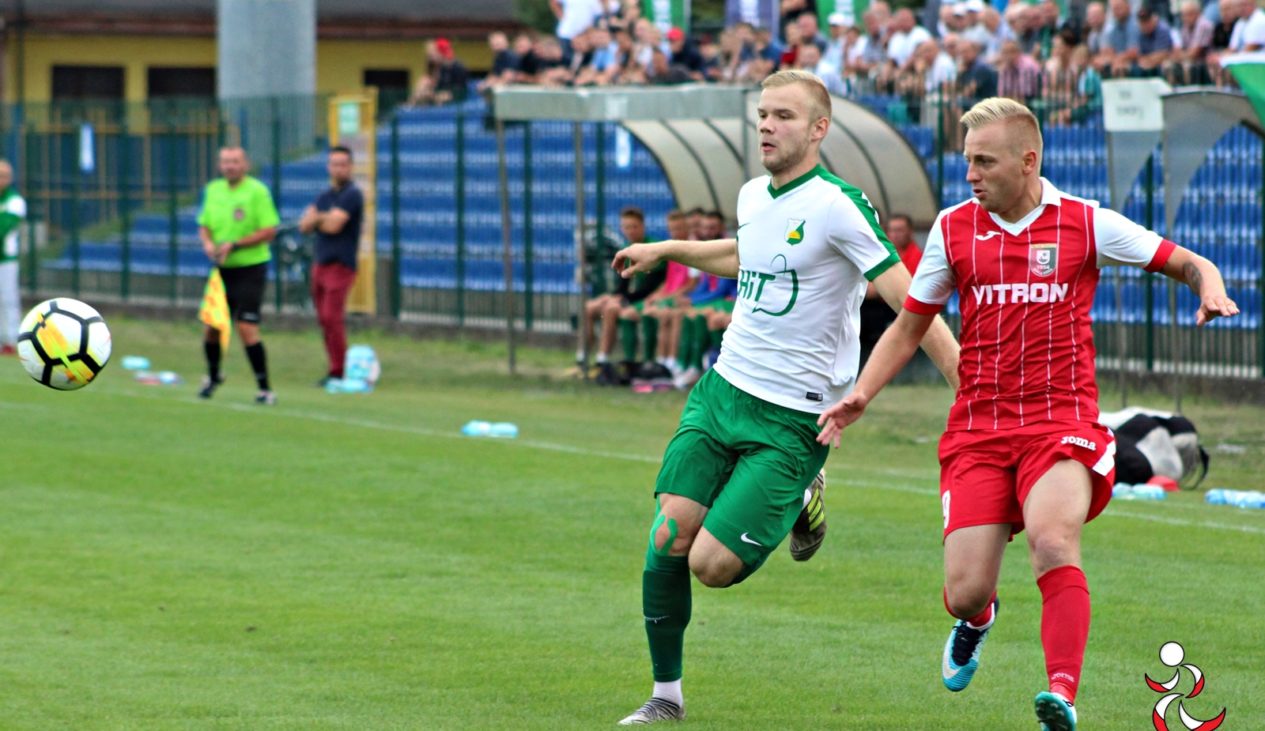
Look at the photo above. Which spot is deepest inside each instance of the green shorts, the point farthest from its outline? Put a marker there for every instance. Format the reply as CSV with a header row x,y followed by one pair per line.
x,y
747,460
718,306
663,304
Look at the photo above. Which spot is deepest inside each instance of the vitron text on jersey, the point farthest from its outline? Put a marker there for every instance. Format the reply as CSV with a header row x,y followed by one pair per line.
x,y
1020,293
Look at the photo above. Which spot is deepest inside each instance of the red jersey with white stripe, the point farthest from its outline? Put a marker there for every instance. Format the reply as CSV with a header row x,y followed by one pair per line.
x,y
1025,290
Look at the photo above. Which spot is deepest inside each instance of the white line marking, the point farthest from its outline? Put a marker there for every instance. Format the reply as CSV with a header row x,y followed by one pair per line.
x,y
1114,510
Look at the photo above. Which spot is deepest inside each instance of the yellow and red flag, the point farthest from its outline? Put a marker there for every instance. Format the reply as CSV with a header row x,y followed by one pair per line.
x,y
214,309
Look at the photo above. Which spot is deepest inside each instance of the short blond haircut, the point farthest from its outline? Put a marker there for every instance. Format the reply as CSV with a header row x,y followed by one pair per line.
x,y
1001,109
819,97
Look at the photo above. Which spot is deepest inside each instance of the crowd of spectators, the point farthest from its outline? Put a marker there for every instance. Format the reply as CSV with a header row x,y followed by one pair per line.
x,y
955,52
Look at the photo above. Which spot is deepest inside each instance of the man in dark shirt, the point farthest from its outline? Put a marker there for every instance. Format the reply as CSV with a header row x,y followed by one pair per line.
x,y
335,218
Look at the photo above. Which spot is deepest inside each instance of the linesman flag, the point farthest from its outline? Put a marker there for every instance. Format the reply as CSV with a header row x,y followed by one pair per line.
x,y
214,309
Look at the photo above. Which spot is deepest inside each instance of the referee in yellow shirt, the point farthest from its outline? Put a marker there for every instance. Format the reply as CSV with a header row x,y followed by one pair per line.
x,y
237,221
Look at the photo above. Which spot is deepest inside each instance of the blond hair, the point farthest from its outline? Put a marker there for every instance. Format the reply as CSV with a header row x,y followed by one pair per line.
x,y
1001,109
819,97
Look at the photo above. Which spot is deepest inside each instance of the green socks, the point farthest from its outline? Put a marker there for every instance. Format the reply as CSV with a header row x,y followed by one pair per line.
x,y
649,337
685,346
665,602
628,339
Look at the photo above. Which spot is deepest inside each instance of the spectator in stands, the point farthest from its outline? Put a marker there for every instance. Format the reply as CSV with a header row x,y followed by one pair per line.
x,y
973,28
1194,40
1018,74
12,213
877,315
905,37
929,71
810,31
952,19
733,63
1022,20
504,62
810,60
574,17
976,79
527,67
607,307
835,47
551,69
1249,29
792,9
1088,98
629,14
581,55
998,33
790,48
872,57
1120,40
446,79
603,56
623,57
1221,33
335,218
709,52
1095,27
683,54
1047,26
1155,43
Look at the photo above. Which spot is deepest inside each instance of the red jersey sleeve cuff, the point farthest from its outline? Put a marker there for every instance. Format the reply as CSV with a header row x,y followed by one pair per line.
x,y
1162,255
921,308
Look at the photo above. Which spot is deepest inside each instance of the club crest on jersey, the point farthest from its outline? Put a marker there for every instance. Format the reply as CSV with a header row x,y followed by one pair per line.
x,y
1043,259
794,230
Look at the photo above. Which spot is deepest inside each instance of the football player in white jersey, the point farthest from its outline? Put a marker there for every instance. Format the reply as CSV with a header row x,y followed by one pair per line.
x,y
738,475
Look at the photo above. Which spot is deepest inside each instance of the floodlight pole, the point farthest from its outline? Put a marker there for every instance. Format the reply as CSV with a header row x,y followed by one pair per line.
x,y
506,247
581,262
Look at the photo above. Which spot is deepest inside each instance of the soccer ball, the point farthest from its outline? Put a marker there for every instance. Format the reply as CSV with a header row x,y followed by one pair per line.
x,y
63,343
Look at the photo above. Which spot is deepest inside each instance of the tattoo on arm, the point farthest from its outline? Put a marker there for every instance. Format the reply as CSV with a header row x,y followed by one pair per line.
x,y
1193,277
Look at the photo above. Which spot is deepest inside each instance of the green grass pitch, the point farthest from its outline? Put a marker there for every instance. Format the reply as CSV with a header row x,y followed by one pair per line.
x,y
352,562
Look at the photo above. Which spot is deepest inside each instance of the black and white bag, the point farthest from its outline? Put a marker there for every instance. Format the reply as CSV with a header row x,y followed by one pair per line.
x,y
1150,443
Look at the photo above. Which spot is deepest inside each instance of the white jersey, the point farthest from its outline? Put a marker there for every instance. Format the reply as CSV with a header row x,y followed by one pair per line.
x,y
805,253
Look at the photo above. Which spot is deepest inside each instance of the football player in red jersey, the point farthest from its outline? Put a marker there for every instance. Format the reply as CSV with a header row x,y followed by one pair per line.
x,y
1023,447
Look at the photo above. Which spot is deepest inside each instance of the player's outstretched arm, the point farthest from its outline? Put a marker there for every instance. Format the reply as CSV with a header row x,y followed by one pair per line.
x,y
941,346
719,256
891,354
1204,279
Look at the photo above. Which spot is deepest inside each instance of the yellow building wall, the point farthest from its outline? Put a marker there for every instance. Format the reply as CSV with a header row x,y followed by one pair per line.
x,y
340,64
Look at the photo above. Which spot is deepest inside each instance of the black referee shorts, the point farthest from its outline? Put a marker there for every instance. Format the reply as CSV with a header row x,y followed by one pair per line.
x,y
244,290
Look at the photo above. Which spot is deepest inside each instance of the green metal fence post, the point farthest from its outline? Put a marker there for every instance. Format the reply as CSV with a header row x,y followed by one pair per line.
x,y
125,206
32,258
276,193
460,182
528,304
75,181
396,273
173,220
1149,173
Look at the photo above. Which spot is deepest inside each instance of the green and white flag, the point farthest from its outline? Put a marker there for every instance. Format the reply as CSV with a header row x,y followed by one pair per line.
x,y
1248,70
667,13
852,10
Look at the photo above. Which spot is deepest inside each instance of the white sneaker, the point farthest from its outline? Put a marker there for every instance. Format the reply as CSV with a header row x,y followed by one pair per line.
x,y
686,378
655,710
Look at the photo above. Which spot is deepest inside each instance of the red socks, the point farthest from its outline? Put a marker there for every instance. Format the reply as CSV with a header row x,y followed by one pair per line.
x,y
1064,627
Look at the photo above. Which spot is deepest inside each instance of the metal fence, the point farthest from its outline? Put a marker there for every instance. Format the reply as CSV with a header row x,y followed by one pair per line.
x,y
123,229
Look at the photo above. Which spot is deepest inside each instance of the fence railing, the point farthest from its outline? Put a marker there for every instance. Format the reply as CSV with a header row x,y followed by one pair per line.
x,y
124,229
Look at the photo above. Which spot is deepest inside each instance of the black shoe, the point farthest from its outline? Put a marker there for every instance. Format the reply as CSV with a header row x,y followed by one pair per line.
x,y
209,386
606,375
810,526
266,398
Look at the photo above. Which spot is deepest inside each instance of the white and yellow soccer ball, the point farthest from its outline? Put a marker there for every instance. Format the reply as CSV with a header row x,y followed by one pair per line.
x,y
63,343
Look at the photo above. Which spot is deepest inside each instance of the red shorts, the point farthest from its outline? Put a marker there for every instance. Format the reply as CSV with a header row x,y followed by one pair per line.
x,y
985,476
